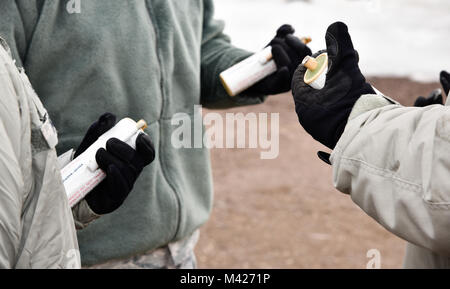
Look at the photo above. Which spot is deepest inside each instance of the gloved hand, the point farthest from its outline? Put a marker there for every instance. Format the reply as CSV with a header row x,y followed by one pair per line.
x,y
445,81
435,96
288,52
324,113
121,163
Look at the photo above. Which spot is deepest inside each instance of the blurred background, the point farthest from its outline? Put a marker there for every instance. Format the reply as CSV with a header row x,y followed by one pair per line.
x,y
285,213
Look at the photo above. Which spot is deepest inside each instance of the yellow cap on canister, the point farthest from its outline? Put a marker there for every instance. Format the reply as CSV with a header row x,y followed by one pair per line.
x,y
141,124
306,39
315,67
310,63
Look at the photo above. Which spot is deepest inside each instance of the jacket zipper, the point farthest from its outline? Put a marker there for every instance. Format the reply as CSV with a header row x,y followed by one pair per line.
x,y
177,197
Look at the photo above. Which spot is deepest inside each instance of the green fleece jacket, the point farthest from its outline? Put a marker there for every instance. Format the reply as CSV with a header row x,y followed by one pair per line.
x,y
142,59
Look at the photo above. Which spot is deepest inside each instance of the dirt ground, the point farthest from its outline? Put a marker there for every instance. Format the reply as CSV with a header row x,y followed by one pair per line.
x,y
285,213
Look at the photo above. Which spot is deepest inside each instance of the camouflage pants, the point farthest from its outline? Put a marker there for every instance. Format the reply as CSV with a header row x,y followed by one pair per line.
x,y
176,255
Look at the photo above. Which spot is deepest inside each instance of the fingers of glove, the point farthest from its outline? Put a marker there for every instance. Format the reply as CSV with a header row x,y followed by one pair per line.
x,y
280,81
98,199
284,30
120,150
280,56
445,81
106,122
439,99
435,97
140,157
145,149
420,102
276,83
122,186
298,84
102,125
279,41
129,171
105,159
338,39
339,45
298,46
109,194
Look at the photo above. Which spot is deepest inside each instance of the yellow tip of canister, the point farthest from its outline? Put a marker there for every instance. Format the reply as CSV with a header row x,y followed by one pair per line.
x,y
141,124
310,63
316,70
225,85
306,39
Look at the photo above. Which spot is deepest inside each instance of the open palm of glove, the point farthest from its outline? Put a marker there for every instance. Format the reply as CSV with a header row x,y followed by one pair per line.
x,y
324,113
287,52
121,163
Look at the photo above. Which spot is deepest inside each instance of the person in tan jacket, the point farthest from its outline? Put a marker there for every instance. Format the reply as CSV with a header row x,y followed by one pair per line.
x,y
37,226
392,160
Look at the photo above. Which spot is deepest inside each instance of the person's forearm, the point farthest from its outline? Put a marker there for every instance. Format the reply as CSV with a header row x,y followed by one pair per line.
x,y
393,161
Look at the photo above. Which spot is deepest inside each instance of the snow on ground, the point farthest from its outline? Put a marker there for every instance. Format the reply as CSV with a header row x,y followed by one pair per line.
x,y
394,38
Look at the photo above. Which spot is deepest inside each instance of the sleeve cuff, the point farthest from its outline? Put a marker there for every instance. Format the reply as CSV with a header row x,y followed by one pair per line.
x,y
367,103
83,215
215,96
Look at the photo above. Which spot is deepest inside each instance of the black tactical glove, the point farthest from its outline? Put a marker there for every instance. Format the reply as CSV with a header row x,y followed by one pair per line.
x,y
435,96
445,81
121,163
324,113
288,52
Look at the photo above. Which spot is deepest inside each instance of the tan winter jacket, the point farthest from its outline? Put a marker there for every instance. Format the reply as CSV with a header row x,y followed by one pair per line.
x,y
394,161
36,225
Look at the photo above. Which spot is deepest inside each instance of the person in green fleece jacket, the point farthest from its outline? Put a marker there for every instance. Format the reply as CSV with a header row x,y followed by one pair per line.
x,y
145,59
